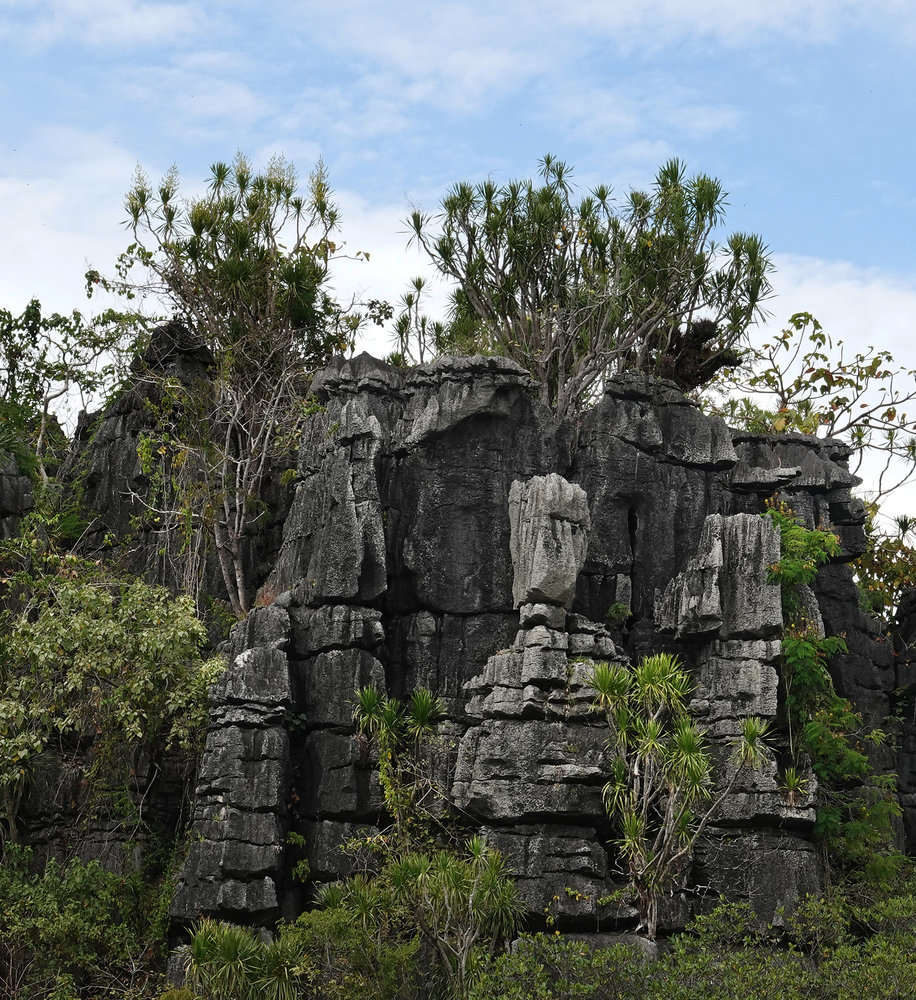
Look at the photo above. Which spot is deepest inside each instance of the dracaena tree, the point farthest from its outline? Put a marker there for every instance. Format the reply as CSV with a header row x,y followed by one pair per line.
x,y
576,289
661,794
243,268
460,902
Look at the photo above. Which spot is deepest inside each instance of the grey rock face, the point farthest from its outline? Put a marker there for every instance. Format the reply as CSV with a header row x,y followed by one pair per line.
x,y
549,525
723,598
243,784
772,869
724,590
446,531
532,755
15,495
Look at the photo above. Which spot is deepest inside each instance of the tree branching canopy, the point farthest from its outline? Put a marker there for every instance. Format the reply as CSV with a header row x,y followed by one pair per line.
x,y
244,268
576,290
46,359
804,380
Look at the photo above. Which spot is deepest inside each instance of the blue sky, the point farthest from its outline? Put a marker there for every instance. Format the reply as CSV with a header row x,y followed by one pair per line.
x,y
803,108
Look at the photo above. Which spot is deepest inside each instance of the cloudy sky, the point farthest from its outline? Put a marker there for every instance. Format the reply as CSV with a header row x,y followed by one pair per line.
x,y
803,108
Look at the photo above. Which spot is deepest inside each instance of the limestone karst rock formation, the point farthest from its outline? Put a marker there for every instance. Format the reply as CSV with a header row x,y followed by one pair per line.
x,y
447,531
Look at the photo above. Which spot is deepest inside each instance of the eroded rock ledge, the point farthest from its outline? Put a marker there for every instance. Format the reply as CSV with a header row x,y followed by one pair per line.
x,y
446,531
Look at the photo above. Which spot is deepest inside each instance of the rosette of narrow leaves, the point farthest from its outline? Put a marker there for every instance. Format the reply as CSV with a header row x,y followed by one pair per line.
x,y
397,731
660,791
633,842
423,709
751,748
331,896
458,902
222,959
225,960
277,975
618,794
661,685
611,684
689,766
367,713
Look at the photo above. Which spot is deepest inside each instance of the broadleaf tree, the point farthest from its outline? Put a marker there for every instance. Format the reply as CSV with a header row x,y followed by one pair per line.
x,y
576,289
86,653
44,359
802,379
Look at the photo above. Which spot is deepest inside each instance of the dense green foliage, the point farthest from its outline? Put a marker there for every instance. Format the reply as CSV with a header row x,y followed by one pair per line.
x,y
887,568
838,947
74,929
94,667
829,951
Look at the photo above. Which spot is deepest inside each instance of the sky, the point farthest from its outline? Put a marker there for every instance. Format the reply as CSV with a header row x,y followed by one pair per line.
x,y
804,109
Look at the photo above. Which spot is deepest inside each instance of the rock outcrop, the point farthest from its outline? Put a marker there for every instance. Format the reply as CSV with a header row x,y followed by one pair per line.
x,y
15,494
446,531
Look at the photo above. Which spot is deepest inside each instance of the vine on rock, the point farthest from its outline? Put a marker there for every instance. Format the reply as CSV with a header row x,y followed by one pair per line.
x,y
856,806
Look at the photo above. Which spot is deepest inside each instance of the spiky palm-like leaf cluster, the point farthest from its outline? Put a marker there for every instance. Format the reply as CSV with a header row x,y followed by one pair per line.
x,y
660,791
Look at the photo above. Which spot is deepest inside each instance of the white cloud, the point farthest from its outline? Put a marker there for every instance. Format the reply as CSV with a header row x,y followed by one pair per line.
x,y
197,95
663,22
862,306
655,107
100,24
353,115
452,55
61,207
456,54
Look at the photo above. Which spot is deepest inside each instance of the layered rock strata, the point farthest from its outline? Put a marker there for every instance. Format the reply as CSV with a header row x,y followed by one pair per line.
x,y
446,531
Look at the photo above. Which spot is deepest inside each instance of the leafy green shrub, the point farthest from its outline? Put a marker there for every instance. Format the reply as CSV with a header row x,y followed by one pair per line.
x,y
345,959
15,437
84,653
617,614
544,966
456,902
73,922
